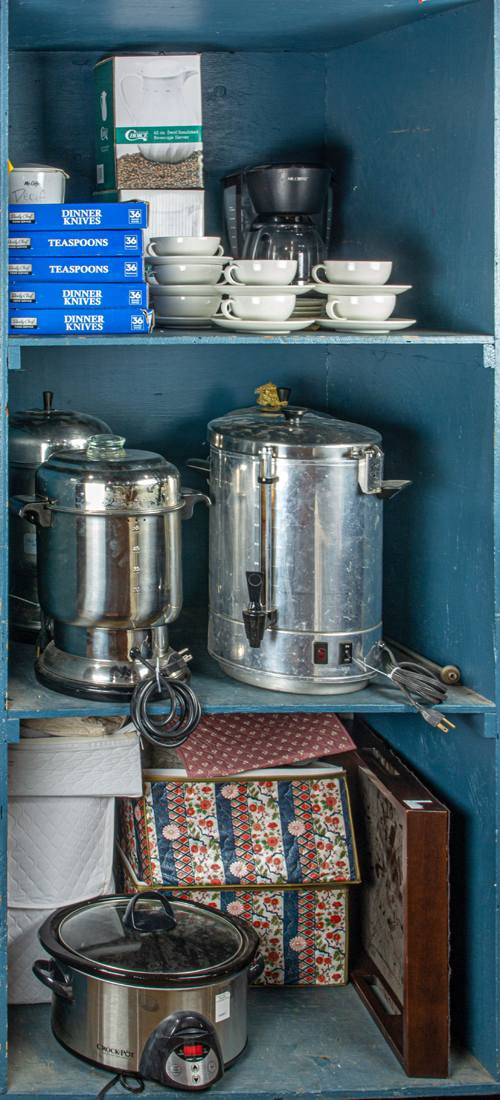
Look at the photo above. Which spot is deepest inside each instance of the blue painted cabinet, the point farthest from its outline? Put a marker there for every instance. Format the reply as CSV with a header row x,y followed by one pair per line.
x,y
400,100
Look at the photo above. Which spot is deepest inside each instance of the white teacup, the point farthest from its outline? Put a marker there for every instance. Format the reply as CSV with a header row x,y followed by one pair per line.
x,y
362,307
205,274
261,273
184,246
177,305
357,272
256,308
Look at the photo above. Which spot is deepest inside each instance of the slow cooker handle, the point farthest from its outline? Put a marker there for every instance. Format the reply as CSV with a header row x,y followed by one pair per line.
x,y
255,969
44,969
150,922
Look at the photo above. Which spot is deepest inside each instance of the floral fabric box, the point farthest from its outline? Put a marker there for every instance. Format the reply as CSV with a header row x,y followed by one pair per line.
x,y
253,832
303,933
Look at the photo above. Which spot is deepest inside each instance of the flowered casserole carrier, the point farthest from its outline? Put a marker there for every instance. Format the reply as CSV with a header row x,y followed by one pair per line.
x,y
278,852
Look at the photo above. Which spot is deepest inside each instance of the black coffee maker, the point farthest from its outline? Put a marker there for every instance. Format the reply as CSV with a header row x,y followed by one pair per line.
x,y
280,212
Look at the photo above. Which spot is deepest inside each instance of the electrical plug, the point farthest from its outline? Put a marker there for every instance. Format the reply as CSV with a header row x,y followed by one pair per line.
x,y
434,718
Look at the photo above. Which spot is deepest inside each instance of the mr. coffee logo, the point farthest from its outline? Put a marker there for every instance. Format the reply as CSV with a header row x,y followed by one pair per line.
x,y
295,179
136,135
113,1050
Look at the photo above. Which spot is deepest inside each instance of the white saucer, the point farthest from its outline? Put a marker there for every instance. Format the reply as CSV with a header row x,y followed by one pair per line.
x,y
182,322
187,290
187,259
268,328
240,290
370,328
349,290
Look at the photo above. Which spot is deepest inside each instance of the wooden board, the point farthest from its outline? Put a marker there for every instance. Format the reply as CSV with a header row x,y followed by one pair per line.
x,y
400,963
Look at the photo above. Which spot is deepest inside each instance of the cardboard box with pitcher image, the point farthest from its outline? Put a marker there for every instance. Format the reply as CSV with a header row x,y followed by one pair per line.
x,y
148,123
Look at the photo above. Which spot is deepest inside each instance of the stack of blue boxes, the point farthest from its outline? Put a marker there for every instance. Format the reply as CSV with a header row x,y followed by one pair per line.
x,y
78,268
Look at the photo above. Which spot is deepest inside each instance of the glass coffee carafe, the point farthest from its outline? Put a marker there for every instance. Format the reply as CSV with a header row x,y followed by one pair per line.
x,y
286,237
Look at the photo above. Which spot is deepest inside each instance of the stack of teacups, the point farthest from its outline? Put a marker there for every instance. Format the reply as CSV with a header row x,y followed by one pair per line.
x,y
186,271
355,295
260,296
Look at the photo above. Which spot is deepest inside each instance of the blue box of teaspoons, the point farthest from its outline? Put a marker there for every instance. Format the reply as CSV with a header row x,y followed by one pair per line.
x,y
25,242
58,322
109,269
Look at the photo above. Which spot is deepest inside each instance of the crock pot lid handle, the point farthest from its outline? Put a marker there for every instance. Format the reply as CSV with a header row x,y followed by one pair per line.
x,y
155,921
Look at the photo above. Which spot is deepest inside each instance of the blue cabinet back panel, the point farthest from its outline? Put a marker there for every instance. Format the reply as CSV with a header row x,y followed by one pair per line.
x,y
410,126
438,533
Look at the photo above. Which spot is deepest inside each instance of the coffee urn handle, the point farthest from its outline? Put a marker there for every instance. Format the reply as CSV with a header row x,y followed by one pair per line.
x,y
192,497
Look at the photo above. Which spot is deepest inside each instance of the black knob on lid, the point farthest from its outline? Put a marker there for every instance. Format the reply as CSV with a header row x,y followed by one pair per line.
x,y
283,393
48,397
293,414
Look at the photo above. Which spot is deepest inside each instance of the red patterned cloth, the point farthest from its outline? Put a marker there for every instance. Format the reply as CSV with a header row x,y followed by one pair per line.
x,y
225,744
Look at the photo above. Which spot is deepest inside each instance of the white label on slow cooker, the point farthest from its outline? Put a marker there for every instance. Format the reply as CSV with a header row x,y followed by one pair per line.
x,y
30,543
222,1006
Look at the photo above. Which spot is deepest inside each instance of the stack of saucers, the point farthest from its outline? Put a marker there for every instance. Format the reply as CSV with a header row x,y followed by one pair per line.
x,y
185,286
260,298
357,298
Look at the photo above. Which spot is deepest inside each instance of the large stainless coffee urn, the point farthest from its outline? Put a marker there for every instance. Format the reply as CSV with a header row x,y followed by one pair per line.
x,y
109,564
34,435
295,547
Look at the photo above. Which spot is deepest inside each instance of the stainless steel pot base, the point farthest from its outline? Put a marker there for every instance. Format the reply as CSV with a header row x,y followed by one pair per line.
x,y
293,684
88,678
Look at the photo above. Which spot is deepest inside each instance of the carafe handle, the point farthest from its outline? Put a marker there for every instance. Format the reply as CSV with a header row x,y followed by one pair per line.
x,y
130,76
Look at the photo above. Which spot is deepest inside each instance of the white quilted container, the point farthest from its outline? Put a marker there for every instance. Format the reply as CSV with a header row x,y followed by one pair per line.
x,y
60,834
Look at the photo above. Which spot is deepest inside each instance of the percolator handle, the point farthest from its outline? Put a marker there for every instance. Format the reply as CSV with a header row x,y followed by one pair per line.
x,y
150,922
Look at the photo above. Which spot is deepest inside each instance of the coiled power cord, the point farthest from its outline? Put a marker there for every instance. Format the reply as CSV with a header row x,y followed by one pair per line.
x,y
419,684
171,730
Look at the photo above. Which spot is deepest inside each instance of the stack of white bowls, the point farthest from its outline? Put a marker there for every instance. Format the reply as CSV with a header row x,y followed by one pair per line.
x,y
356,301
185,286
260,297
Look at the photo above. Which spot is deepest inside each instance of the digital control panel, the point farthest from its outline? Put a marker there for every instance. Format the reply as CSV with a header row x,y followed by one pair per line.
x,y
192,1065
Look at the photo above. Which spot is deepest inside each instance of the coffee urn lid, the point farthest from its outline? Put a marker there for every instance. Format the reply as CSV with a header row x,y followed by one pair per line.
x,y
34,434
292,431
108,477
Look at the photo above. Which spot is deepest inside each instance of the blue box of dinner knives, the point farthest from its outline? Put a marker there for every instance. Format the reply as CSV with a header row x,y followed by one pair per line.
x,y
58,322
79,295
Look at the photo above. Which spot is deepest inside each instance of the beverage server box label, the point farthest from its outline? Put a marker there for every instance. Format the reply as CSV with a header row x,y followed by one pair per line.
x,y
55,215
148,126
112,269
56,322
60,242
171,213
86,295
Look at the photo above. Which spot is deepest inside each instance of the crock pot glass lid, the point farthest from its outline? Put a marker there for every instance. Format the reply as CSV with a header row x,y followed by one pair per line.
x,y
200,940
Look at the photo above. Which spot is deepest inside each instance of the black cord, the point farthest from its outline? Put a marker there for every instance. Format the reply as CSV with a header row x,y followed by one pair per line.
x,y
417,680
122,1078
173,729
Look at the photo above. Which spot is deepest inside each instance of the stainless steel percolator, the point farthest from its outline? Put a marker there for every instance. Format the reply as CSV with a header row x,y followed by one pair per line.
x,y
109,564
295,546
34,435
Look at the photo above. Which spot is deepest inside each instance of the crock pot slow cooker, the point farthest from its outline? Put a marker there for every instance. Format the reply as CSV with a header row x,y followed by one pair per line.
x,y
150,985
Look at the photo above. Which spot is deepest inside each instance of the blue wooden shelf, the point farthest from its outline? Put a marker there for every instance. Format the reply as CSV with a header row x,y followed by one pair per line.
x,y
219,693
308,1042
217,338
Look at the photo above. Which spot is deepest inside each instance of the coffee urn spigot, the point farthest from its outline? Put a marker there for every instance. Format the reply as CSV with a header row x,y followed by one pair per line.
x,y
254,616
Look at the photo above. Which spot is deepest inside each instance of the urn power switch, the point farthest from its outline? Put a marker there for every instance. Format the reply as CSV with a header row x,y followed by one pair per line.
x,y
345,653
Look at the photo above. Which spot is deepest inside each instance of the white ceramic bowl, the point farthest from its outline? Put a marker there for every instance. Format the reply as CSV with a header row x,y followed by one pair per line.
x,y
207,274
259,308
367,272
376,307
261,272
184,246
176,305
155,260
